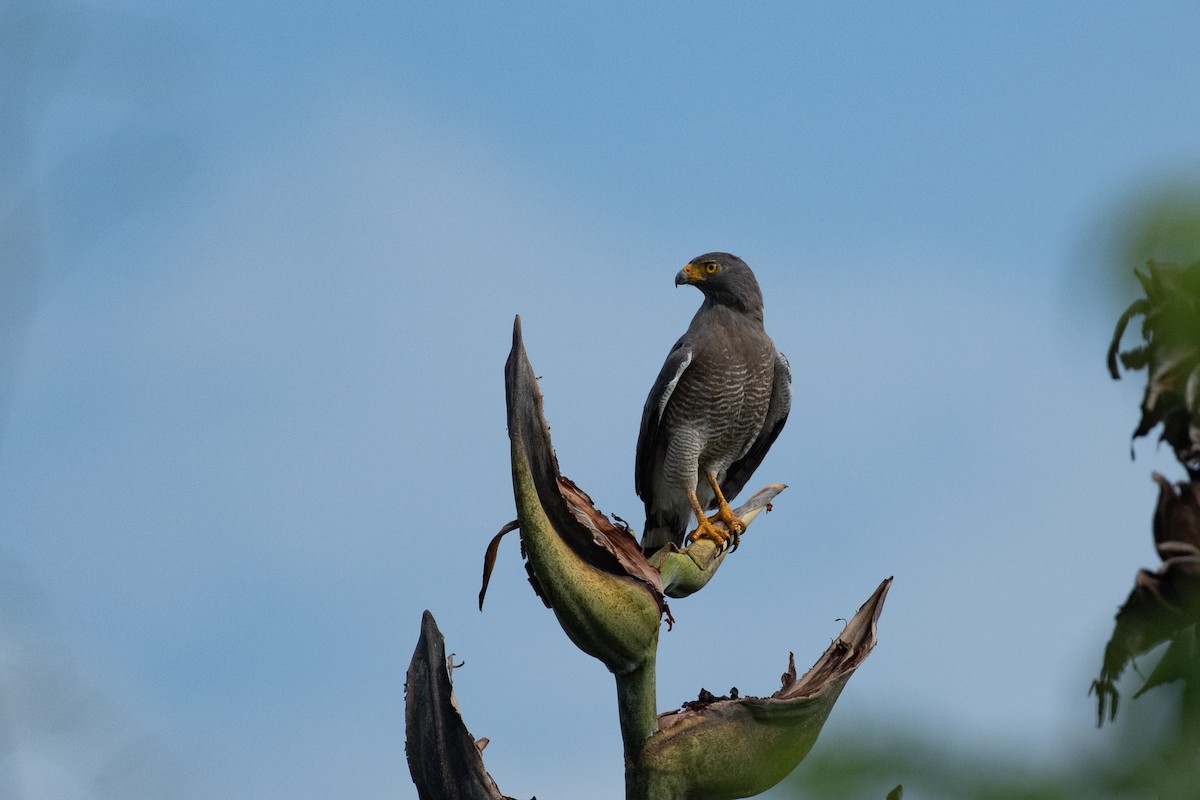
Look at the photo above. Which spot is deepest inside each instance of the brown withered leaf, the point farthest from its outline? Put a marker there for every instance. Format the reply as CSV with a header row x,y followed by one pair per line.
x,y
613,536
844,654
1177,517
617,539
489,557
1138,307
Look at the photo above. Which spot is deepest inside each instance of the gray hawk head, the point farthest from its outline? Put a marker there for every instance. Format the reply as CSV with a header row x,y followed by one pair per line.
x,y
725,280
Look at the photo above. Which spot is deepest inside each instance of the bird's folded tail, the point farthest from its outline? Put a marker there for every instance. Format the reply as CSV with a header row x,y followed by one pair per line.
x,y
663,528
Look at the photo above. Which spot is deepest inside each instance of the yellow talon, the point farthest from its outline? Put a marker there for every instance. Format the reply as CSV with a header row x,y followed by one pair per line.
x,y
705,527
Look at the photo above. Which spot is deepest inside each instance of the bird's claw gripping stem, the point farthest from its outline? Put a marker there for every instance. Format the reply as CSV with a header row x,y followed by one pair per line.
x,y
705,529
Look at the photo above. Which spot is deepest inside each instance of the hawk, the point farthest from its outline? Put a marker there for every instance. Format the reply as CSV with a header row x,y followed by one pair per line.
x,y
719,402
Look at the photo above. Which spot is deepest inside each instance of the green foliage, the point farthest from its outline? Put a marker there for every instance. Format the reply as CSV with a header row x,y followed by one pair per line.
x,y
1164,606
1163,225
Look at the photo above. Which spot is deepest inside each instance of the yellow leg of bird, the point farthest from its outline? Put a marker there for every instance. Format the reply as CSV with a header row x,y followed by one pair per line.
x,y
725,513
705,529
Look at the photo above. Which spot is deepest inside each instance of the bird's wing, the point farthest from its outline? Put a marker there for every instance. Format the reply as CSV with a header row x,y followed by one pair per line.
x,y
777,413
650,437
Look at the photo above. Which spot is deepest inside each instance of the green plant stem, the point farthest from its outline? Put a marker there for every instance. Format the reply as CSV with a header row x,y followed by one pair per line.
x,y
636,709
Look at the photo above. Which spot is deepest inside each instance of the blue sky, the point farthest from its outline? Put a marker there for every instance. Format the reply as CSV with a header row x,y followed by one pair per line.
x,y
261,266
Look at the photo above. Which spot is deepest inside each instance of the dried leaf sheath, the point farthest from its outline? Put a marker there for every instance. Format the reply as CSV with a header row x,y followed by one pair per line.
x,y
442,756
737,748
607,602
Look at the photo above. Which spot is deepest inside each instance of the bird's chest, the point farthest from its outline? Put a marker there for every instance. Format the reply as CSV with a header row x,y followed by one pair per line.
x,y
723,398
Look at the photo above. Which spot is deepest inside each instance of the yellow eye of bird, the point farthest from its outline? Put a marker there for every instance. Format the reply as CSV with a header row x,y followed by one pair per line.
x,y
710,267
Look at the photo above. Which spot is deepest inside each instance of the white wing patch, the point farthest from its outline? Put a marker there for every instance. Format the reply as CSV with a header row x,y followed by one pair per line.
x,y
670,387
787,367
784,386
